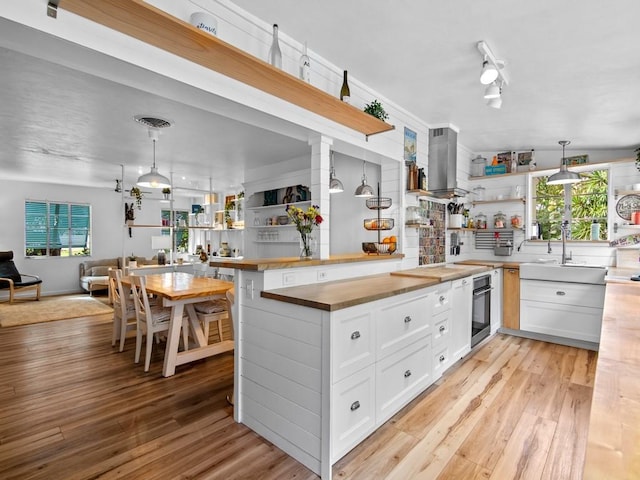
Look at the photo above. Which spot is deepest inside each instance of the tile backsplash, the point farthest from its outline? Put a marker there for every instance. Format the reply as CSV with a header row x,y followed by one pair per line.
x,y
432,240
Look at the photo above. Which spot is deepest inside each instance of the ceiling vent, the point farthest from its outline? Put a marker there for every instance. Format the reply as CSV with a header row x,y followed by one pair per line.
x,y
152,122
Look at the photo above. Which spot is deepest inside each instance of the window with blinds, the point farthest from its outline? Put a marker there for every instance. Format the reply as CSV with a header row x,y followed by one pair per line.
x,y
57,229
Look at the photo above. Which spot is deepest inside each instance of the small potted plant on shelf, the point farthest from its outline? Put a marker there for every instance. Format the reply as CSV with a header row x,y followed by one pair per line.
x,y
228,207
133,263
166,192
137,194
375,109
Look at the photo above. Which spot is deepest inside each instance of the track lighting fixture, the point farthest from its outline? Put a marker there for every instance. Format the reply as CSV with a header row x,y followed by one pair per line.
x,y
493,75
564,175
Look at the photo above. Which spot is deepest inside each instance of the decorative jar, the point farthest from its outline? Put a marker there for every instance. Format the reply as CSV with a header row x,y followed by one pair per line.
x,y
481,221
499,220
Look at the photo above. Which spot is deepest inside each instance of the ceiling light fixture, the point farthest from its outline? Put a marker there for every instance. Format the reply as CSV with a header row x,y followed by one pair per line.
x,y
363,189
335,185
564,175
493,75
153,179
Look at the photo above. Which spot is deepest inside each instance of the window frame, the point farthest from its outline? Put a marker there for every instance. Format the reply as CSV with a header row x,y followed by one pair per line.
x,y
48,228
531,212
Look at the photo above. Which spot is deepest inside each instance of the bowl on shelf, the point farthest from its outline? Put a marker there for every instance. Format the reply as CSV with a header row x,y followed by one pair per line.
x,y
378,223
378,202
283,220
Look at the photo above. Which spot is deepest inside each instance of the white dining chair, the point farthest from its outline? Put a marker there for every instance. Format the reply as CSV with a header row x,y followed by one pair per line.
x,y
211,311
124,312
151,320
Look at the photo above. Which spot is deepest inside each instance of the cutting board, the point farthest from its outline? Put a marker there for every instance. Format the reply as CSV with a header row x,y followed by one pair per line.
x,y
627,257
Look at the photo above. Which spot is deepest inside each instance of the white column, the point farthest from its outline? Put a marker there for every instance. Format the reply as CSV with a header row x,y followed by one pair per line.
x,y
320,166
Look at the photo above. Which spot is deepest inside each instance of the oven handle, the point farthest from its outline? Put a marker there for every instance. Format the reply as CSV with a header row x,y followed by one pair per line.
x,y
477,293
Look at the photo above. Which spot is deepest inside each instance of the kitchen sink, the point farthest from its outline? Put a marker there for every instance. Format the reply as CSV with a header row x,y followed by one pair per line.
x,y
555,272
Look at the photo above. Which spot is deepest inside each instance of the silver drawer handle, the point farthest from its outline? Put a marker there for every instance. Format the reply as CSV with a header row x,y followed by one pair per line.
x,y
442,298
442,358
355,405
464,282
560,292
407,319
407,374
355,335
442,329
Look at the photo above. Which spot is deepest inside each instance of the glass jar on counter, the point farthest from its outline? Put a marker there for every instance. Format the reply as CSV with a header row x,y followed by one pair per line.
x,y
516,221
499,220
412,216
481,221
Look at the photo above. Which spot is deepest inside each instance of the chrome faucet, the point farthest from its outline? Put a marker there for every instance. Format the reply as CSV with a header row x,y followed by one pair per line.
x,y
564,228
549,245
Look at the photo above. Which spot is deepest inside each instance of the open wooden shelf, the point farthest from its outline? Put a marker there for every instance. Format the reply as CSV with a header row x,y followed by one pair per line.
x,y
156,27
502,200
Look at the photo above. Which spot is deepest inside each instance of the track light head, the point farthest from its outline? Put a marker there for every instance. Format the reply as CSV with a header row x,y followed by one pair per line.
x,y
492,91
489,73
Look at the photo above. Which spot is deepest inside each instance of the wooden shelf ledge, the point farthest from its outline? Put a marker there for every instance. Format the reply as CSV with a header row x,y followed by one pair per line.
x,y
156,27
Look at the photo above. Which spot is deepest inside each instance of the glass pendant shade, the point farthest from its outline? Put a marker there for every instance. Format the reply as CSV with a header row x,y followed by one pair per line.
x,y
564,175
153,179
489,73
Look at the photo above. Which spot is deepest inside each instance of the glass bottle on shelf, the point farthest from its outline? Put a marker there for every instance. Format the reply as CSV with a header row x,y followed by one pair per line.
x,y
275,55
499,220
305,66
345,93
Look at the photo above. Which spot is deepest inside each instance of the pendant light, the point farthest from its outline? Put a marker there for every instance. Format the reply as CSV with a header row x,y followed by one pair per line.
x,y
364,190
335,185
564,175
153,179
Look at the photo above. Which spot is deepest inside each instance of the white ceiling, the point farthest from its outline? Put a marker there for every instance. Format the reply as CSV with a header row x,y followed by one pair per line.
x,y
573,68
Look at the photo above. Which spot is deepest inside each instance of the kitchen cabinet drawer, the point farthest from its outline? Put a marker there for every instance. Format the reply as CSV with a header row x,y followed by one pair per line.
x,y
568,321
441,298
442,329
352,411
401,376
352,342
564,293
402,323
441,361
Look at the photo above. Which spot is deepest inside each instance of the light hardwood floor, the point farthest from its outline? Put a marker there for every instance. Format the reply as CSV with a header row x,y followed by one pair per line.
x,y
71,407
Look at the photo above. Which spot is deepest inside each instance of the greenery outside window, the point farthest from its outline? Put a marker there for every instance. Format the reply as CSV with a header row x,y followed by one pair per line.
x,y
180,232
57,229
578,203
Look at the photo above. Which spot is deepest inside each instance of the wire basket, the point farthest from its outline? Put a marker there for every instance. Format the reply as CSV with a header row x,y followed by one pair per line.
x,y
378,223
375,248
378,203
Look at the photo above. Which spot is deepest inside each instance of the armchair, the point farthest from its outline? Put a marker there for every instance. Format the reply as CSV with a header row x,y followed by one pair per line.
x,y
13,280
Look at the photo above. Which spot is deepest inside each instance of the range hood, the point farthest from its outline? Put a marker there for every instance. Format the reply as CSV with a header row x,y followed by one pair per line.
x,y
443,163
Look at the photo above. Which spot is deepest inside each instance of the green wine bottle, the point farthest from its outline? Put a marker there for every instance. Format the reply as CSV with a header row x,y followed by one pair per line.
x,y
345,94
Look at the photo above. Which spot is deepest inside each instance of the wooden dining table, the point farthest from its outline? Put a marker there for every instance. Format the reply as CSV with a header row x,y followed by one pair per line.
x,y
180,290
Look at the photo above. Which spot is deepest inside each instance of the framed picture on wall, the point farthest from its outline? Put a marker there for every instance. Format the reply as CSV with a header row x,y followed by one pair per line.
x,y
410,146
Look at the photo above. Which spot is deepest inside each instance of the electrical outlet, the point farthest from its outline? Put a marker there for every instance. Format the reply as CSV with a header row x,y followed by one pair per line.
x,y
248,286
289,279
322,275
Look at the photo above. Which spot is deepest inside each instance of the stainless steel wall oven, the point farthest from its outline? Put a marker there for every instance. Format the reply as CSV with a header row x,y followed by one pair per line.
x,y
481,309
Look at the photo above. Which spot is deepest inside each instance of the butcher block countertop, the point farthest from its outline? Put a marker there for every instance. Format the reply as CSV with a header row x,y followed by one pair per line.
x,y
341,294
443,273
490,263
261,264
613,443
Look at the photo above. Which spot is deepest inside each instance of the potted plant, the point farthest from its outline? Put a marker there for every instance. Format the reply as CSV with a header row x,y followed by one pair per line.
x,y
228,207
375,109
133,263
166,192
137,194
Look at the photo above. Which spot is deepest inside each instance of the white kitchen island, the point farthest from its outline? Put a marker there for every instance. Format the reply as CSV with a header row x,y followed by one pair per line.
x,y
320,366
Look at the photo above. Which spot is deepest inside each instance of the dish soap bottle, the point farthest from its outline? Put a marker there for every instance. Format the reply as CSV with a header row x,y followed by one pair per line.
x,y
595,230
